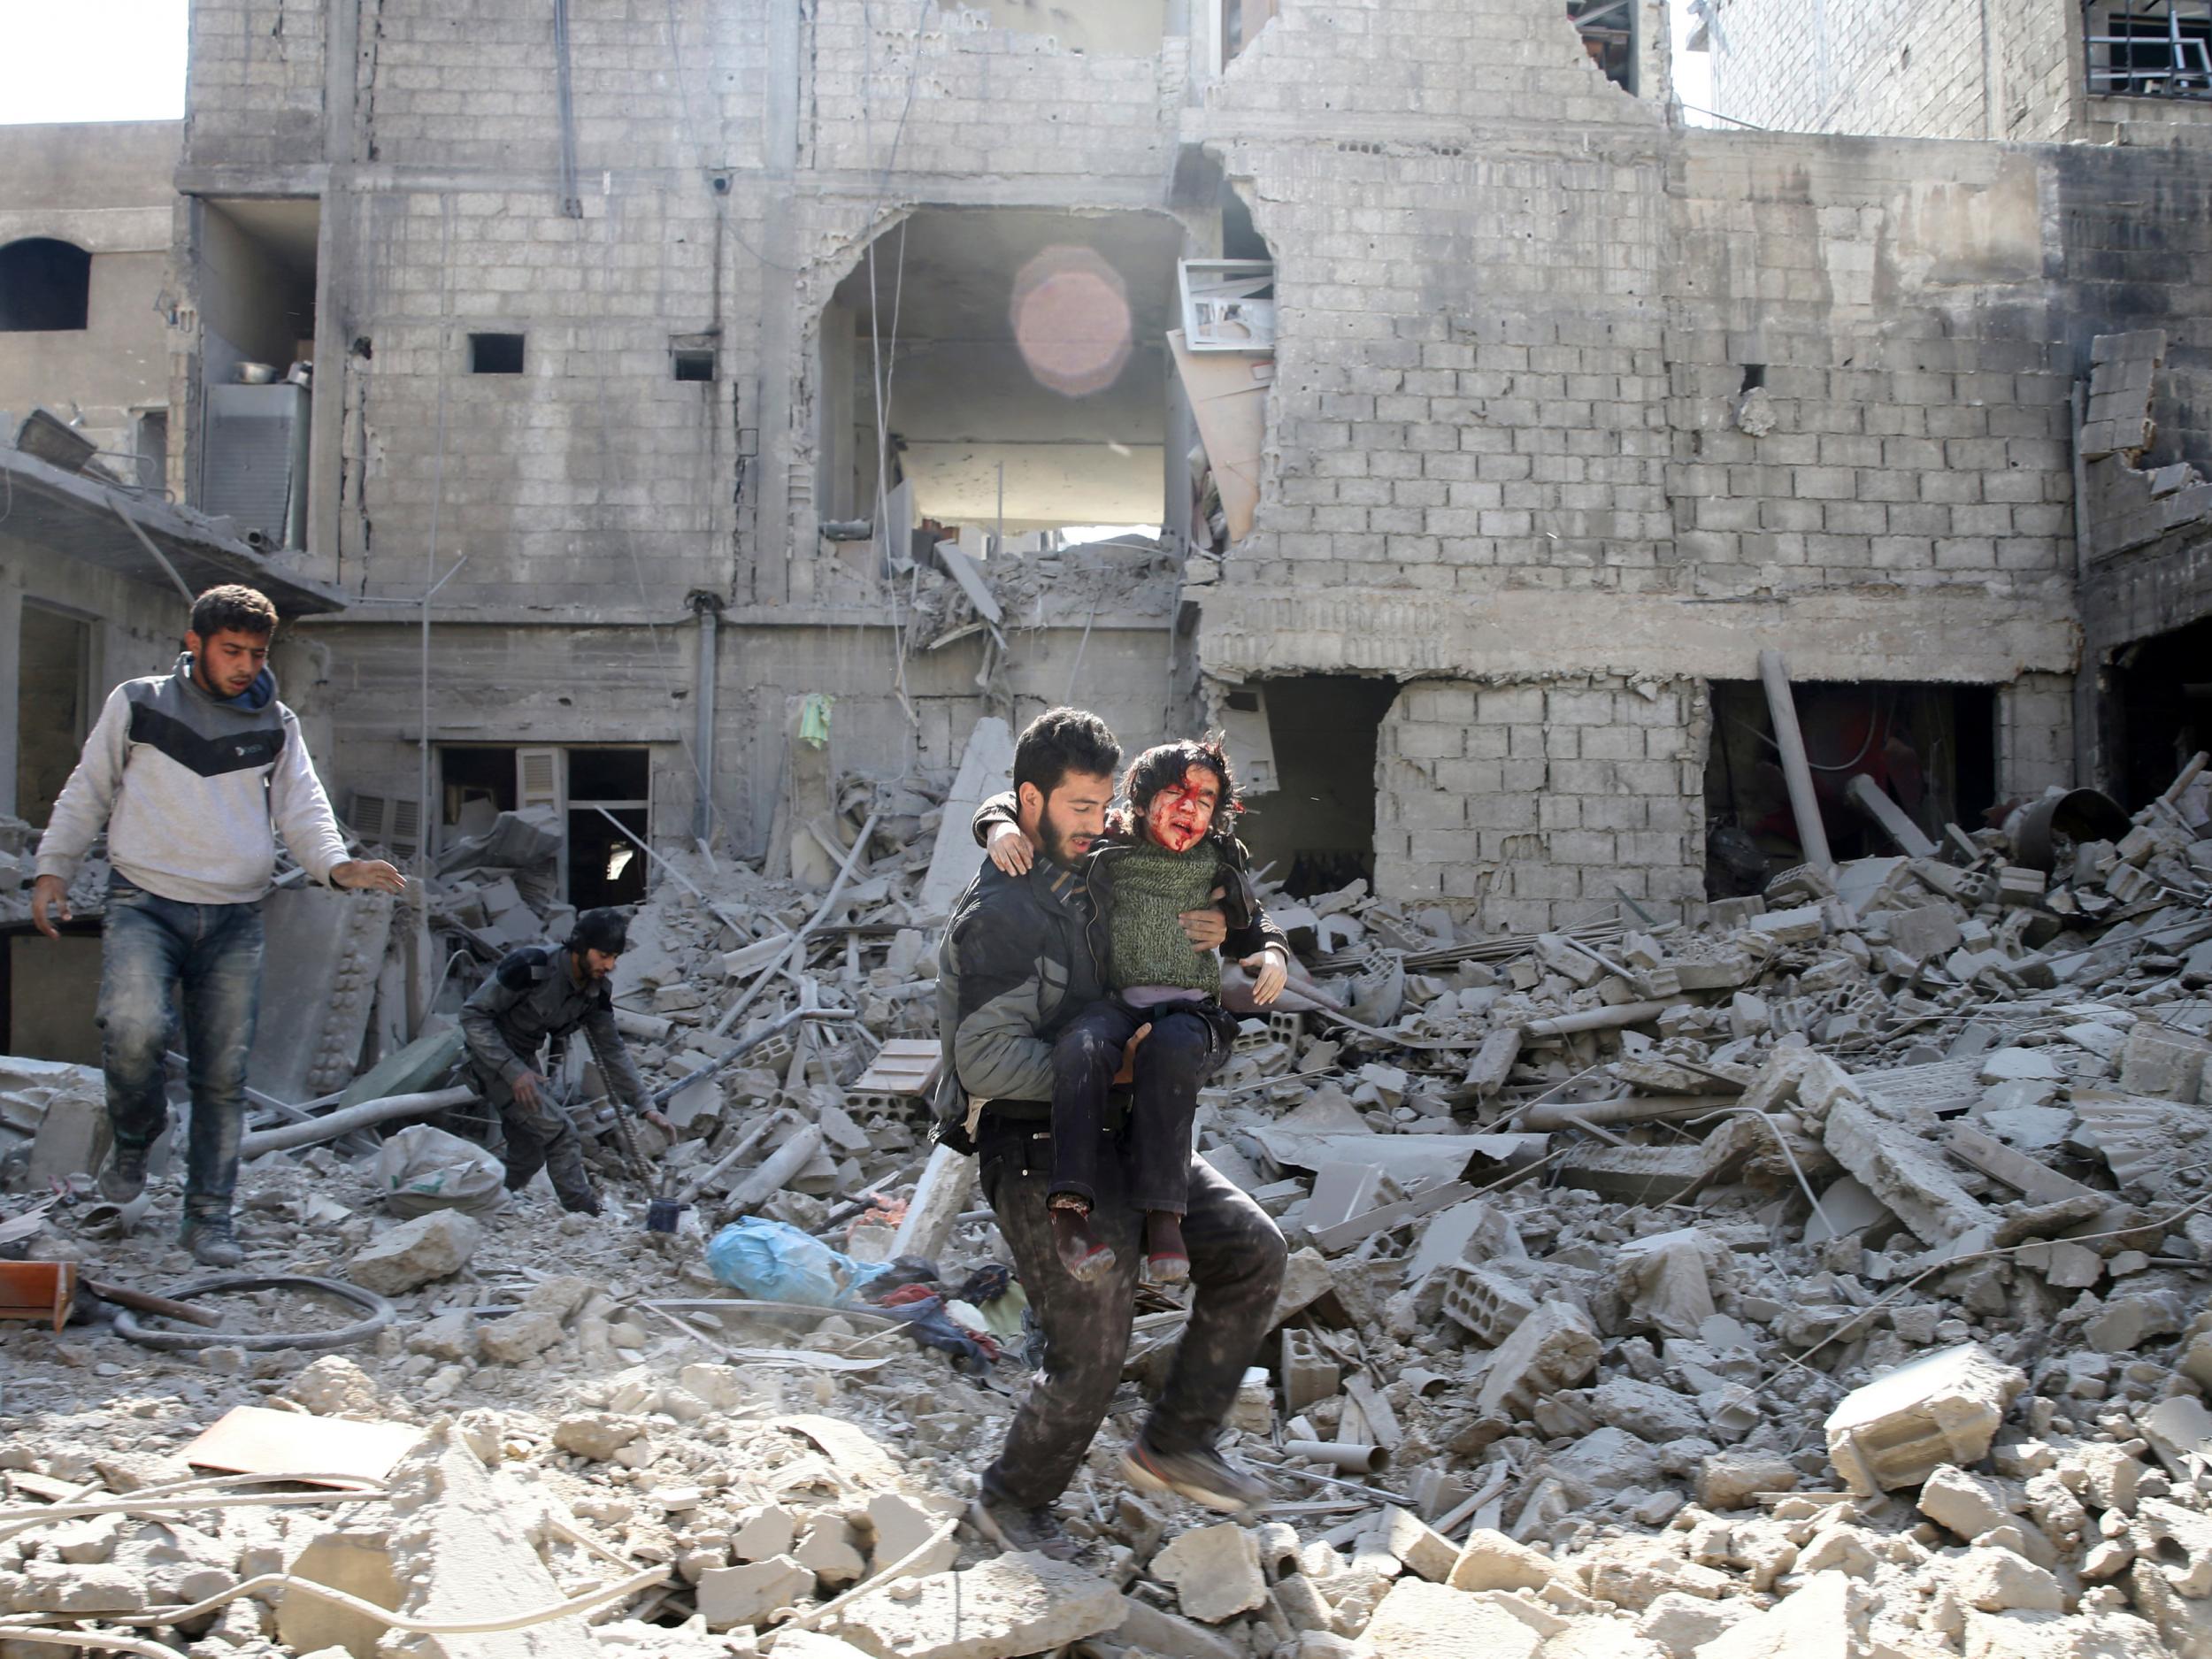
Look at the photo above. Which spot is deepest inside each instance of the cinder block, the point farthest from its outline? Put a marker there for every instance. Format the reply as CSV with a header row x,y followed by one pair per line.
x,y
1942,1408
1484,1302
1554,1349
1310,1373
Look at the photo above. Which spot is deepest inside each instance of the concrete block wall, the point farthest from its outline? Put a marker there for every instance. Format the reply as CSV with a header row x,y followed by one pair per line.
x,y
2035,734
1913,68
474,84
1537,803
1914,408
255,86
969,97
594,474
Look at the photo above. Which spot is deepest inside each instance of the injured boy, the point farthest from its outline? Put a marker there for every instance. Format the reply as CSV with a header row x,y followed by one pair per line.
x,y
1162,1026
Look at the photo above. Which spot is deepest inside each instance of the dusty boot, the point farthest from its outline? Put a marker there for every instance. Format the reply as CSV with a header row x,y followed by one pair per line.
x,y
1165,1256
1080,1251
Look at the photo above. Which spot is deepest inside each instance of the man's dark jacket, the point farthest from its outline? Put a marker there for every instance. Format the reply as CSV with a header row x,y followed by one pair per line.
x,y
1024,954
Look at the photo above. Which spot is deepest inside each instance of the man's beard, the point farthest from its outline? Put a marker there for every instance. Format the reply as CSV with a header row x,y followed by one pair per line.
x,y
1056,846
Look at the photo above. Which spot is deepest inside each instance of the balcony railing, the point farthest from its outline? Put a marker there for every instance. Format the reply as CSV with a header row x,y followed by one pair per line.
x,y
2151,49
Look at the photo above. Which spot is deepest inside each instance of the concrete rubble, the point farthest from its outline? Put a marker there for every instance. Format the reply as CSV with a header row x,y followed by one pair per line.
x,y
1822,1278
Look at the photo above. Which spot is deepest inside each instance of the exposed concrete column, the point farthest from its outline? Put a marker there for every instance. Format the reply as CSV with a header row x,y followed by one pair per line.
x,y
708,609
772,552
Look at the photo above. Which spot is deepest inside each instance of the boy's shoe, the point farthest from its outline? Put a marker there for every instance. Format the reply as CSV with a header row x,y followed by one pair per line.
x,y
1166,1257
1205,1477
210,1239
1016,1529
125,1177
1079,1250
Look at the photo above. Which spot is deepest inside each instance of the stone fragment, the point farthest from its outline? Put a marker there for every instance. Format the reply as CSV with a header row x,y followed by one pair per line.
x,y
1654,1413
2159,1061
1554,1348
1666,1281
1970,1505
451,1336
1998,1581
1146,1629
1679,1625
1633,1571
1014,1604
414,1253
829,1552
63,1587
1216,1572
1420,1546
721,1386
1942,1408
730,1596
334,1385
520,1336
1490,1560
1731,1480
2049,1636
2021,1066
1798,927
2125,1323
902,1526
1420,1620
1826,1619
596,1435
766,1533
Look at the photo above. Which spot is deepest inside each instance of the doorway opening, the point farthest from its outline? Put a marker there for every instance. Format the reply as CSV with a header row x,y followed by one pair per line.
x,y
1932,748
256,259
584,786
1317,826
2164,698
53,706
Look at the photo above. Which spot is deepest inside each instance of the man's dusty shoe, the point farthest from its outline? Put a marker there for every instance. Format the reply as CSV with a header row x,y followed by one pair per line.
x,y
208,1239
1013,1528
125,1177
1205,1477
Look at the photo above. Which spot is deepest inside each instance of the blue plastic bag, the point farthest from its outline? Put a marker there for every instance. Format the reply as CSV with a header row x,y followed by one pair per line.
x,y
771,1261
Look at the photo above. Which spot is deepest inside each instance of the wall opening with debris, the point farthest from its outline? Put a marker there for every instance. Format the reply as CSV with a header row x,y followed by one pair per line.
x,y
1009,361
1932,748
255,266
581,786
2163,688
1317,826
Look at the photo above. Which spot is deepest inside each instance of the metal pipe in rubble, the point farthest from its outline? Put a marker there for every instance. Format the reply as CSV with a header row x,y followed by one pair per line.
x,y
330,1128
709,610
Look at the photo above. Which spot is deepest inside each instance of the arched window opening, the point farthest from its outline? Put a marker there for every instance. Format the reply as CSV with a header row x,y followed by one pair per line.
x,y
44,285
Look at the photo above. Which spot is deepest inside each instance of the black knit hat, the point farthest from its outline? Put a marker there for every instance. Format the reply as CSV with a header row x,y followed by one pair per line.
x,y
605,930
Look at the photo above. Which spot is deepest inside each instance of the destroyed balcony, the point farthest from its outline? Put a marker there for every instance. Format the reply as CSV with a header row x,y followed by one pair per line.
x,y
2148,48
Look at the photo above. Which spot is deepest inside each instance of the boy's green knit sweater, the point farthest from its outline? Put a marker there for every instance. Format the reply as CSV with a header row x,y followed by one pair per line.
x,y
1152,887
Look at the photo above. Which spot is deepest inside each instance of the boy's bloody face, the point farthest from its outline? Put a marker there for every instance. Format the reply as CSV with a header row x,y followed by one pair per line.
x,y
1182,813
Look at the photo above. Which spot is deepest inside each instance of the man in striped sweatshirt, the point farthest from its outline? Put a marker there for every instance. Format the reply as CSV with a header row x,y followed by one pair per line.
x,y
189,772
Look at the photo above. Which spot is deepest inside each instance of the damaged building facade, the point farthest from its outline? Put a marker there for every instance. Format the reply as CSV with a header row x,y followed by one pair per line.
x,y
1532,418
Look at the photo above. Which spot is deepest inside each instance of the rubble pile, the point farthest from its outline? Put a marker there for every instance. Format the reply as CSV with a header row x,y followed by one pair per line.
x,y
1823,1279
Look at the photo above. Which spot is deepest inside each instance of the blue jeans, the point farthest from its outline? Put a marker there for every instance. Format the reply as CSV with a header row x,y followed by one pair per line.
x,y
160,958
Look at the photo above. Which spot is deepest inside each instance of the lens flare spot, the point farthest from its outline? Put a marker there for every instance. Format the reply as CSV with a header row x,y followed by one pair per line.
x,y
1070,319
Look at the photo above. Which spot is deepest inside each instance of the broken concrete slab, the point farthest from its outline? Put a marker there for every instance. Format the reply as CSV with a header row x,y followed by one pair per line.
x,y
1906,1174
462,1550
1011,1605
1554,1348
1420,1620
731,1596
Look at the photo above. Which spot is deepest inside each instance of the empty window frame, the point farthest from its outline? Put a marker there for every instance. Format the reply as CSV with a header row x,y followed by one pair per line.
x,y
2148,48
496,354
45,286
1608,28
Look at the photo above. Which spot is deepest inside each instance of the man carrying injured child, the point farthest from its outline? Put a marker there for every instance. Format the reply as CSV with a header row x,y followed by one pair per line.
x,y
1163,1026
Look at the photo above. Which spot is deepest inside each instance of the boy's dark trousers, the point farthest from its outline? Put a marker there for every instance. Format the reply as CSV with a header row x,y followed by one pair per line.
x,y
1187,1045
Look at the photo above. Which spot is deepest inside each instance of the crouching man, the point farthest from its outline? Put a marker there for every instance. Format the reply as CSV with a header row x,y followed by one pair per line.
x,y
187,773
536,993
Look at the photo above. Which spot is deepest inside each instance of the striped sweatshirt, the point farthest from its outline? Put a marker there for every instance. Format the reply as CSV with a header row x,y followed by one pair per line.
x,y
189,788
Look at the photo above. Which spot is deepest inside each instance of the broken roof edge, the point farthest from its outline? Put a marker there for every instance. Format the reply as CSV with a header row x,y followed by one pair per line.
x,y
85,519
